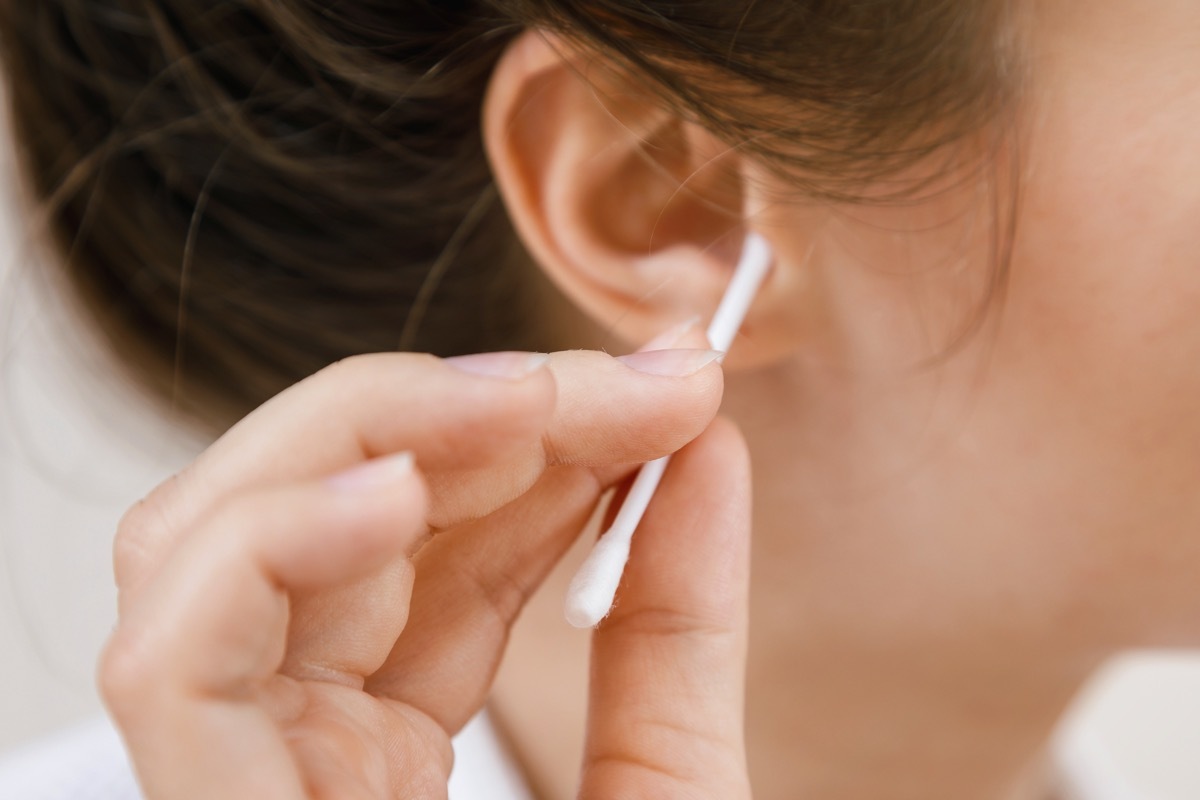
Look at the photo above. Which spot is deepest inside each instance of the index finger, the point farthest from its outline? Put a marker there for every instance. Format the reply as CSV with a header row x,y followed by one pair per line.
x,y
581,407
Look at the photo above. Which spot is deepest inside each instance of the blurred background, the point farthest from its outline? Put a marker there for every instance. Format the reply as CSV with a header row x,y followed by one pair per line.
x,y
77,448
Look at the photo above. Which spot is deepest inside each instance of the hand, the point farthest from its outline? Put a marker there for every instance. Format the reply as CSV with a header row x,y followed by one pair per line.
x,y
289,628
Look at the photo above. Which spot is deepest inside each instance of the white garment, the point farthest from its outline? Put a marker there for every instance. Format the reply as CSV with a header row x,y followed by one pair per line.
x,y
89,763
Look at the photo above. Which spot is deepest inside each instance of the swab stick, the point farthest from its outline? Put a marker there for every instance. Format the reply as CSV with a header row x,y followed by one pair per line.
x,y
590,596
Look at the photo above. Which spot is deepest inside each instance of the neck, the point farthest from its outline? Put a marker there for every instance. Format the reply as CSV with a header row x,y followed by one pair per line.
x,y
864,677
893,725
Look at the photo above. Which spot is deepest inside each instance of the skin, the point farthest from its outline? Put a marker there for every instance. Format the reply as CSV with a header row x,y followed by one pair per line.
x,y
286,619
942,553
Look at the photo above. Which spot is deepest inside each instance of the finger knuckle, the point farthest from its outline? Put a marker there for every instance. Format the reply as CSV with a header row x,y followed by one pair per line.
x,y
129,545
640,775
127,669
662,622
553,454
361,367
502,594
341,369
143,524
646,774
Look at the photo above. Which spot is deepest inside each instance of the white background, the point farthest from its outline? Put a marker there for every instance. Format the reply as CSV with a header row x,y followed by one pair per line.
x,y
76,449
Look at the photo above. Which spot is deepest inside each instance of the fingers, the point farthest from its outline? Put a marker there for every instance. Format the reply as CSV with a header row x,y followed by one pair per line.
x,y
606,413
185,668
335,632
355,410
632,409
668,665
471,584
482,440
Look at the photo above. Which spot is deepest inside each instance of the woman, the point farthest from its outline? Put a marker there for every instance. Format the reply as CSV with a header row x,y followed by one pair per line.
x,y
967,390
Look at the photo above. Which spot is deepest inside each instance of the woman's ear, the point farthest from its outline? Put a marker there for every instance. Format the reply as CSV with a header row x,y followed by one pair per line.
x,y
636,214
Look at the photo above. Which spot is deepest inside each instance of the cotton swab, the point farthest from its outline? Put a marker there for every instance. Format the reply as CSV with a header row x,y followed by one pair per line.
x,y
591,593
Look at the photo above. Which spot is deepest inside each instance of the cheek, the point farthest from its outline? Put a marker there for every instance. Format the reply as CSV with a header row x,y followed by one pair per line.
x,y
1099,363
1107,274
1105,295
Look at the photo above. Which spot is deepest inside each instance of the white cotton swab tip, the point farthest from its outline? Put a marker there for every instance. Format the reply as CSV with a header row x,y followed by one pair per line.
x,y
590,595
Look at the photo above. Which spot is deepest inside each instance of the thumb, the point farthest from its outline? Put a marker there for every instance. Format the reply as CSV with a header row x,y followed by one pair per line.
x,y
668,666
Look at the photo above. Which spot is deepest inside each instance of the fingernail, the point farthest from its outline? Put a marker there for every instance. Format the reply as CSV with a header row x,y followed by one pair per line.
x,y
671,337
671,363
511,365
376,474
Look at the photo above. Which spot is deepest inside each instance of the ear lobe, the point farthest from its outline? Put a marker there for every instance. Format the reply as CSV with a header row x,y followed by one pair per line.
x,y
636,214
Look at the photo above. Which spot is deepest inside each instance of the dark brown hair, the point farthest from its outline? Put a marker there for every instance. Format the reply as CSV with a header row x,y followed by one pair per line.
x,y
244,191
